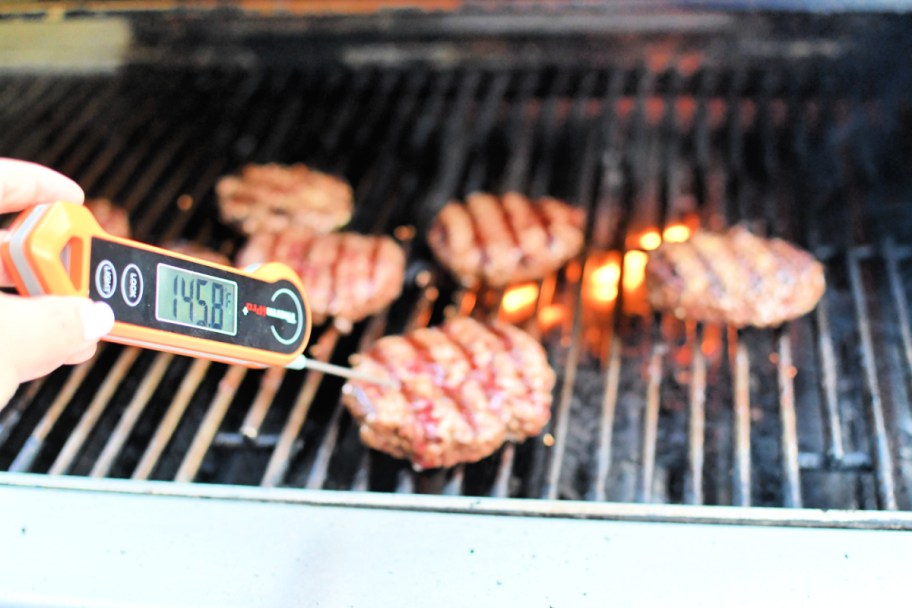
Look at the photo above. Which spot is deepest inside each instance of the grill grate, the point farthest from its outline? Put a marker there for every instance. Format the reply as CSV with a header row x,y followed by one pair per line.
x,y
647,409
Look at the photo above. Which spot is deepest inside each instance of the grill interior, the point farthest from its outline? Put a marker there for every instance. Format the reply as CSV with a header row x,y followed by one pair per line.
x,y
647,408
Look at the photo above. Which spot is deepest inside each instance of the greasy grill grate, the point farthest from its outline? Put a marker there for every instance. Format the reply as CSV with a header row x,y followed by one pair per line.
x,y
647,409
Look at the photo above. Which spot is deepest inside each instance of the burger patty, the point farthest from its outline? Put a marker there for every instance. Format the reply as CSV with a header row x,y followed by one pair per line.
x,y
499,240
734,277
274,198
112,218
347,276
456,392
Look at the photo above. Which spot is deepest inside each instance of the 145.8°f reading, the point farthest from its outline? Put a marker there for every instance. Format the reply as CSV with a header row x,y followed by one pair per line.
x,y
194,299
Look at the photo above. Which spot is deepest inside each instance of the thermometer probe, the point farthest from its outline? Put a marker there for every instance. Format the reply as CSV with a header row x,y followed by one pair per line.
x,y
257,317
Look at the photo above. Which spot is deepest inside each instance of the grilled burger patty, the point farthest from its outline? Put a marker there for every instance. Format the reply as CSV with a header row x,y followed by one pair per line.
x,y
499,240
274,198
346,275
461,390
734,277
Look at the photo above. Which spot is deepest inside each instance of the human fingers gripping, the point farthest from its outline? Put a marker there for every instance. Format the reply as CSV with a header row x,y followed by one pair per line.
x,y
82,356
23,184
8,384
5,279
39,334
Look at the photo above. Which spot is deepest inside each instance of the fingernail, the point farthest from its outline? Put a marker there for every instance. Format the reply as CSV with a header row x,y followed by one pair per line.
x,y
97,320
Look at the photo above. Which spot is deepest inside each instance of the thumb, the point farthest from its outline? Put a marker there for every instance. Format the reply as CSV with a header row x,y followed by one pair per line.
x,y
39,334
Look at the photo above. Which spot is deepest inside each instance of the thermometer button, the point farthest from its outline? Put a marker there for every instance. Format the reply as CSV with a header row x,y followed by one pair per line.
x,y
106,279
131,285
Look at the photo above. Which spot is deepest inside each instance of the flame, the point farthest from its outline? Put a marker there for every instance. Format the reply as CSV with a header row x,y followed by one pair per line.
x,y
604,282
634,269
551,316
601,281
573,271
650,240
607,272
518,297
676,233
518,302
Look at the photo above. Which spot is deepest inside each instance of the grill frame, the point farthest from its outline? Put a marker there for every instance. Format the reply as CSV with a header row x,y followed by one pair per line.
x,y
461,172
558,509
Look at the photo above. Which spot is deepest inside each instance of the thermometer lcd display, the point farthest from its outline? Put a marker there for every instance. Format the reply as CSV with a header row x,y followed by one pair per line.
x,y
184,297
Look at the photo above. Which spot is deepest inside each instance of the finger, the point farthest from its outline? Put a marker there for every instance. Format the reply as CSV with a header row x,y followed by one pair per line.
x,y
49,331
8,385
5,279
23,184
82,356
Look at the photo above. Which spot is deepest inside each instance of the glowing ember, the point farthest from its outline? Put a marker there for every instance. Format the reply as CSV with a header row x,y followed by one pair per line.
x,y
712,341
548,440
634,269
651,240
551,316
573,271
676,233
519,297
518,303
604,281
467,303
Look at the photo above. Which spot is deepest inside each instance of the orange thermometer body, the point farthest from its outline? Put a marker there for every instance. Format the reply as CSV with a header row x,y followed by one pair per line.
x,y
258,317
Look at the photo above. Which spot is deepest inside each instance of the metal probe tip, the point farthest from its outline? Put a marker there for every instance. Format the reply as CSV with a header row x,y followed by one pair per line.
x,y
303,362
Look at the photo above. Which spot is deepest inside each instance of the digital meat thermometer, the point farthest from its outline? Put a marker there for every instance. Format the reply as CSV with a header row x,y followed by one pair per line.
x,y
257,317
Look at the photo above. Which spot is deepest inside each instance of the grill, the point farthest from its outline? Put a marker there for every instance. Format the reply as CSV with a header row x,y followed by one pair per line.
x,y
647,409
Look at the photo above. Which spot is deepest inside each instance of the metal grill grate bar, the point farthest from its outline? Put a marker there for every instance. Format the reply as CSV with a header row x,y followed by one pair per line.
x,y
101,400
25,92
886,489
227,389
279,461
269,387
98,104
836,449
39,122
893,256
318,472
584,194
520,133
786,373
168,424
130,416
650,426
35,442
693,491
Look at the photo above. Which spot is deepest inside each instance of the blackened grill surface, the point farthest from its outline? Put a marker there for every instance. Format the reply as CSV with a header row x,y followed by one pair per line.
x,y
647,409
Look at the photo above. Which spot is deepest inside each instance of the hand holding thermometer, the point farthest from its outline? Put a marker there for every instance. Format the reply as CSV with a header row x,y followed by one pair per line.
x,y
163,300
